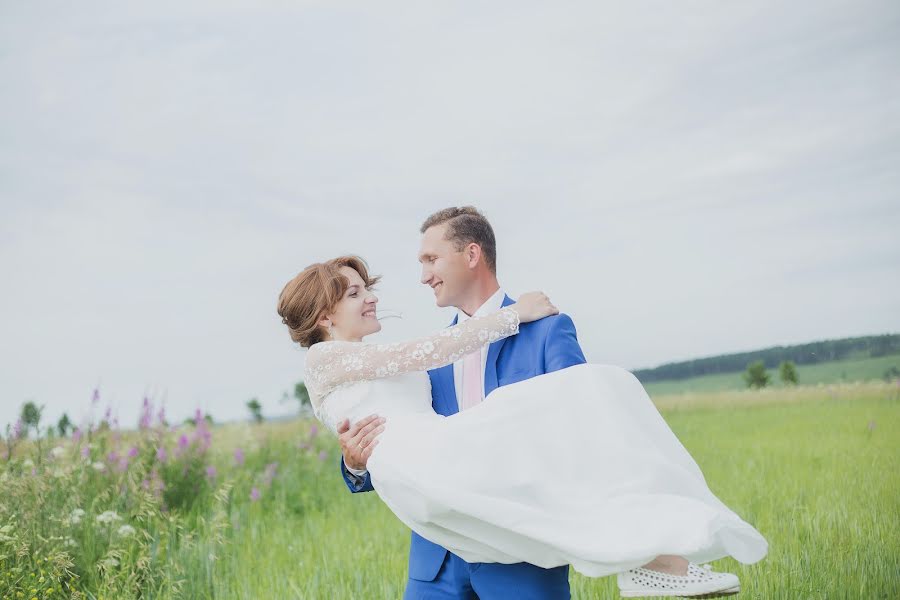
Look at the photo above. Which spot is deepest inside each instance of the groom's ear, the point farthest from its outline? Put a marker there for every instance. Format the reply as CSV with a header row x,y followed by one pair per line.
x,y
473,254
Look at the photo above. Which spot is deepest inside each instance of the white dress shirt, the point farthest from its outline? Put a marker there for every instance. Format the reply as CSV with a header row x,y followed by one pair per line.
x,y
491,305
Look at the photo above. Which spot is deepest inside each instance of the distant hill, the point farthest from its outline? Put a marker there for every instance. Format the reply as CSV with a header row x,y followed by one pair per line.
x,y
872,346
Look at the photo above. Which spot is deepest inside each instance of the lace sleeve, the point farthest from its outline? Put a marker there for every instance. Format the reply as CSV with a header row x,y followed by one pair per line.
x,y
330,365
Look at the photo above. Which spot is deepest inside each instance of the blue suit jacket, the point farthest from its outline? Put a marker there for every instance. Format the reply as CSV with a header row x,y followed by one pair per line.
x,y
543,346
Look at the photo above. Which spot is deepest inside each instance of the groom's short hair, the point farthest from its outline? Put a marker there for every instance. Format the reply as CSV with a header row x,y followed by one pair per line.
x,y
466,225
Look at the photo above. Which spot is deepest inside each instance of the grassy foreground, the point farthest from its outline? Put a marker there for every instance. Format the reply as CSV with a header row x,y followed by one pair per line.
x,y
816,471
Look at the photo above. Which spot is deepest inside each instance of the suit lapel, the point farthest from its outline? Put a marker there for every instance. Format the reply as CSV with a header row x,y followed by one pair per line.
x,y
490,367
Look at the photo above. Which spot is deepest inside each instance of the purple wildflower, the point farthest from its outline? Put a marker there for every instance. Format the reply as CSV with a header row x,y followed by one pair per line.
x,y
323,456
211,472
313,431
76,435
254,495
146,414
161,454
112,457
85,452
17,429
203,435
239,457
132,452
96,397
161,415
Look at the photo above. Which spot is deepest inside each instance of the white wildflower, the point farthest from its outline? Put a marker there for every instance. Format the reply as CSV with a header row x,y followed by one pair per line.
x,y
70,542
27,463
109,516
126,531
98,466
57,452
75,517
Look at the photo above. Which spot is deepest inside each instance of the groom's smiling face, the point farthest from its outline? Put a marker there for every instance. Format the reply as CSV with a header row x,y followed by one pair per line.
x,y
444,268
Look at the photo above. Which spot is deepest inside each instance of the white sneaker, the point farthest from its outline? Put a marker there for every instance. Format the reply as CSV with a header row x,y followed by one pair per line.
x,y
700,582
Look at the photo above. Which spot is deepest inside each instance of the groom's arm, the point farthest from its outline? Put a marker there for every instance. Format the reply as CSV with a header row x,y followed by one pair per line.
x,y
357,443
356,482
561,347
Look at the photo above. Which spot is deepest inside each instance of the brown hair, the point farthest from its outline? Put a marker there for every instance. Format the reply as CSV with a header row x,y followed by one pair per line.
x,y
466,225
316,290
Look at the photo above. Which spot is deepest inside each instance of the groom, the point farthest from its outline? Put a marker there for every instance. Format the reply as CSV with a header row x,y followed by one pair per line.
x,y
459,262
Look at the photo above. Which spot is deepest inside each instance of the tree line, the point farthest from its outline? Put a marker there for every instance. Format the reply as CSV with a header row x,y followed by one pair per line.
x,y
802,354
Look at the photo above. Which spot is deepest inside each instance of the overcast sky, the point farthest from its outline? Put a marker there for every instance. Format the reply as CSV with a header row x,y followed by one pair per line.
x,y
684,178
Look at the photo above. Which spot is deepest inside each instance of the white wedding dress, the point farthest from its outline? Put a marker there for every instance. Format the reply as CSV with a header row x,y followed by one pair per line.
x,y
572,467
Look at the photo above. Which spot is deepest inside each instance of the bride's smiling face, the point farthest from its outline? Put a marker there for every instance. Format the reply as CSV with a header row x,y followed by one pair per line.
x,y
354,315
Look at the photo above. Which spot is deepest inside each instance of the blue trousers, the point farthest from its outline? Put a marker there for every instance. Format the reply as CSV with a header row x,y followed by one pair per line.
x,y
459,580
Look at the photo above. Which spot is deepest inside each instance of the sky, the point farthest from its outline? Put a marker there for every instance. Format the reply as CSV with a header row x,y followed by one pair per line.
x,y
684,179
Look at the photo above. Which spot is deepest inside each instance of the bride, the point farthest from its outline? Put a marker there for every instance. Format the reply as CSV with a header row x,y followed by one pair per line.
x,y
599,481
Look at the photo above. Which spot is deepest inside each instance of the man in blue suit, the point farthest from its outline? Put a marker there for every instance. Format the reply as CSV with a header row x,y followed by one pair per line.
x,y
458,257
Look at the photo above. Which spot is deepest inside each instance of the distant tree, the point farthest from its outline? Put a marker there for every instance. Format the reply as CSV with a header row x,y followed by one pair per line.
x,y
755,376
31,416
787,370
255,409
891,373
63,425
302,396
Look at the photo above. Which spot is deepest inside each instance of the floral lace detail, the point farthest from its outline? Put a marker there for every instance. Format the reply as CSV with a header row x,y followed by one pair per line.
x,y
332,365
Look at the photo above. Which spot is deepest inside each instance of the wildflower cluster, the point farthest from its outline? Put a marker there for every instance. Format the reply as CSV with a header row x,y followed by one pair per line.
x,y
117,513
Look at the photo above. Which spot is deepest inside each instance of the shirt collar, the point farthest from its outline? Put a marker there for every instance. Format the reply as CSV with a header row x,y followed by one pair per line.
x,y
492,304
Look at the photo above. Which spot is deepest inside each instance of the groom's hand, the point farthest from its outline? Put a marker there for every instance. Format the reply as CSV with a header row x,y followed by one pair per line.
x,y
357,442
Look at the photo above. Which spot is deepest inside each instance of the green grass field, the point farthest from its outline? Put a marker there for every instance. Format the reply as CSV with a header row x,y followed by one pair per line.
x,y
839,371
816,470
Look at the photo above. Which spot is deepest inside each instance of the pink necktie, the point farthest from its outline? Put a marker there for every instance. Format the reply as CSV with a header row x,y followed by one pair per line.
x,y
471,381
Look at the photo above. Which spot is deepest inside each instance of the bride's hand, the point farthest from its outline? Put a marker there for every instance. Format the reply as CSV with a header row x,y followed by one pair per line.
x,y
533,306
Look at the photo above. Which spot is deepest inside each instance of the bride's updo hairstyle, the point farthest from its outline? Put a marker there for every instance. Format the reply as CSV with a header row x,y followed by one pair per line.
x,y
314,292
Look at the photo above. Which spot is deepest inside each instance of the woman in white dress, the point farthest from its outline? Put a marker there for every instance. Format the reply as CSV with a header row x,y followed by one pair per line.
x,y
646,496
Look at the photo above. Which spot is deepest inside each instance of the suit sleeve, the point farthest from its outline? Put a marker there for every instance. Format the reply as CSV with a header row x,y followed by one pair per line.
x,y
356,484
561,348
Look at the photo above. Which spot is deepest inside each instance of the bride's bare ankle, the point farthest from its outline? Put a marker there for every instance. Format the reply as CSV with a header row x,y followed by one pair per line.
x,y
670,564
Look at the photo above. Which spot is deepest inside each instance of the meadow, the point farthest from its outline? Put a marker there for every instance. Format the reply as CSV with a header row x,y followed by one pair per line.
x,y
260,511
